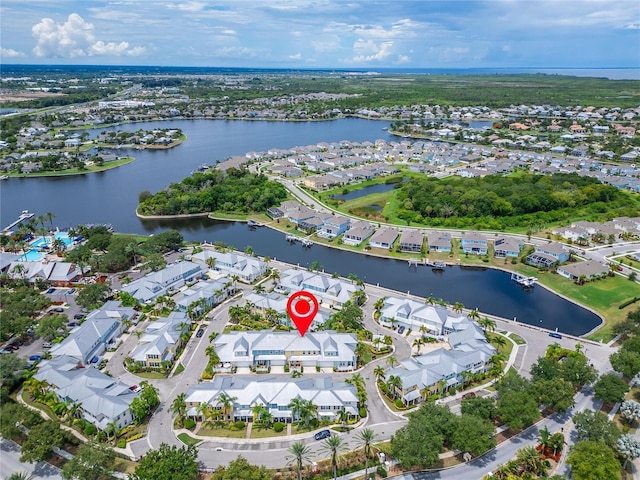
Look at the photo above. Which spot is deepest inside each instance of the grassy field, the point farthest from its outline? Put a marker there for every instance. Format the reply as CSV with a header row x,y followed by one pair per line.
x,y
75,171
188,440
223,432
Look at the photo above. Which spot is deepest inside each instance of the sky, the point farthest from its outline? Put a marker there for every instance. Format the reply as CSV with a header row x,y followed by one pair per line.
x,y
313,34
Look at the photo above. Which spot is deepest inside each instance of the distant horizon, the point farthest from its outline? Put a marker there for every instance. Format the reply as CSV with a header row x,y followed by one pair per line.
x,y
586,71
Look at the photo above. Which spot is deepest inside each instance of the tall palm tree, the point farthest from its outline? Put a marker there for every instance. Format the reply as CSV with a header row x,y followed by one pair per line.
x,y
458,307
309,411
366,437
529,459
299,454
333,446
379,305
296,405
378,372
418,342
391,361
342,416
210,351
474,314
227,403
179,407
21,476
394,382
487,324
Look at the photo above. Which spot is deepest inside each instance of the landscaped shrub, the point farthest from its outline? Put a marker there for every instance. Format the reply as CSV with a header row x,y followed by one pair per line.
x,y
189,424
89,429
363,412
133,437
278,427
381,471
122,443
314,422
399,403
240,425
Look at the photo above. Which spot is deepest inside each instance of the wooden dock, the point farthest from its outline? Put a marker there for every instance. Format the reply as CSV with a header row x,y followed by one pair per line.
x,y
23,216
526,282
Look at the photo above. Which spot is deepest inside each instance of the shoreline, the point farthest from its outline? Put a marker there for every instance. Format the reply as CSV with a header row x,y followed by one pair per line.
x,y
72,174
603,321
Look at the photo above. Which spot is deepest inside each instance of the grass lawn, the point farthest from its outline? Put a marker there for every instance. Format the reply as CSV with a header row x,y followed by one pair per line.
x,y
506,349
517,338
75,171
26,396
188,440
223,432
151,375
179,369
267,433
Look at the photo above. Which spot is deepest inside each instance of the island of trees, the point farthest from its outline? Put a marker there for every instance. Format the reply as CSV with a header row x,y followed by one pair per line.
x,y
231,191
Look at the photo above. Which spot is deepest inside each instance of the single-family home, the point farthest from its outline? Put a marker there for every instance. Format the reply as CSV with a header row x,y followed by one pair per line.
x,y
545,256
384,238
439,241
357,233
586,270
333,226
411,241
474,243
507,247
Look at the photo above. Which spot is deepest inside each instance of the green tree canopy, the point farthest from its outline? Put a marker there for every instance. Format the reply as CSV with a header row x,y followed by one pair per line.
x,y
517,409
610,388
474,435
91,462
168,463
626,362
479,407
93,295
595,426
40,442
592,460
556,393
241,469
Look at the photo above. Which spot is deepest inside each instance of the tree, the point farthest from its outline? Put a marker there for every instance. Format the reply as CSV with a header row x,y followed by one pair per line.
x,y
517,409
458,307
21,476
91,462
179,407
480,407
241,469
49,324
332,446
593,460
168,463
366,438
531,462
545,369
610,388
474,435
9,364
40,442
300,454
557,394
93,295
576,369
227,403
595,426
629,447
626,362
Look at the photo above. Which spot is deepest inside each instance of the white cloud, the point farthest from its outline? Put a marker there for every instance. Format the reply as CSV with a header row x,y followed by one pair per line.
x,y
9,52
75,38
297,56
633,26
369,51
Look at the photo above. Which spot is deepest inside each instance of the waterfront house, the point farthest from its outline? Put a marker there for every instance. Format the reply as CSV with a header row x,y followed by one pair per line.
x,y
333,226
248,269
275,394
161,340
411,241
358,232
331,292
547,255
262,349
384,238
103,400
439,241
588,269
165,281
507,247
474,243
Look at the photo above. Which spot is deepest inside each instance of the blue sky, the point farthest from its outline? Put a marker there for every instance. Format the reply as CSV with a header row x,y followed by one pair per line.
x,y
323,33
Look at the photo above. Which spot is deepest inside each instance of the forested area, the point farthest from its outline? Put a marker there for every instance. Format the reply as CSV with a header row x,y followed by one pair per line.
x,y
510,201
232,191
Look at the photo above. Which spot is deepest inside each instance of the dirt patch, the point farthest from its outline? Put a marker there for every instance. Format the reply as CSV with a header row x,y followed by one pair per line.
x,y
12,96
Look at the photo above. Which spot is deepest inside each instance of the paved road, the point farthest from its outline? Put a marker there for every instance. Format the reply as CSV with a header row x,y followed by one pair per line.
x,y
10,454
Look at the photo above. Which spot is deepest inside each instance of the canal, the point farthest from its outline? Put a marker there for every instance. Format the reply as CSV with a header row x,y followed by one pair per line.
x,y
112,196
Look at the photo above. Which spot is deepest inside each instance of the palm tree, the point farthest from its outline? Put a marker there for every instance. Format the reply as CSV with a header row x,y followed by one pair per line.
x,y
393,383
296,405
529,459
418,342
227,403
257,410
211,262
391,361
378,372
333,446
202,409
458,307
309,411
342,416
487,324
474,314
366,437
210,351
299,454
379,305
50,216
259,288
21,476
179,407
499,340
112,428
430,300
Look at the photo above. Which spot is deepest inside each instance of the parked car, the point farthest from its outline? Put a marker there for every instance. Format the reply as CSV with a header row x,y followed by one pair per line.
x,y
78,316
469,395
401,329
51,290
35,358
46,345
57,309
322,434
200,332
135,388
72,324
555,335
70,291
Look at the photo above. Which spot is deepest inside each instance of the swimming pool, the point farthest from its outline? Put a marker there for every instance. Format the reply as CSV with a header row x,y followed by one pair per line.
x,y
64,236
31,256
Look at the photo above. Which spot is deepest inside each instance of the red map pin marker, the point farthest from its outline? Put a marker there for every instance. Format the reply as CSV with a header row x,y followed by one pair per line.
x,y
302,308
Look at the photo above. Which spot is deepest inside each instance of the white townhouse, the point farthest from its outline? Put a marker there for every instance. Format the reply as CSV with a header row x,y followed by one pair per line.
x,y
262,303
161,340
103,399
165,281
211,292
443,368
265,348
329,291
275,394
99,331
411,314
248,269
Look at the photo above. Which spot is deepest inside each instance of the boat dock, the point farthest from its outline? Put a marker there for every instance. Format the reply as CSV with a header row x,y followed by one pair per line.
x,y
254,223
437,265
23,216
526,282
304,241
